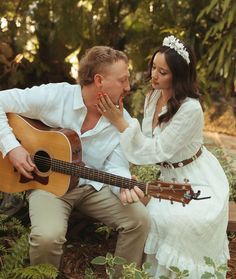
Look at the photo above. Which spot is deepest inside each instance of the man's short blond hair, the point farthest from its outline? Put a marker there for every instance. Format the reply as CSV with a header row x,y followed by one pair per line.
x,y
96,60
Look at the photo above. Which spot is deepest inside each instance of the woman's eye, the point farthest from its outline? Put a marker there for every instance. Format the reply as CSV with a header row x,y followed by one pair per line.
x,y
162,73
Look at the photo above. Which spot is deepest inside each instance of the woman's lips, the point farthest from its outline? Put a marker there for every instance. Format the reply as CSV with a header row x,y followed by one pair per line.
x,y
155,83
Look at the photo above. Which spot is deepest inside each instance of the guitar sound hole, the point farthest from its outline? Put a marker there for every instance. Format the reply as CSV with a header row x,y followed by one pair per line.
x,y
43,161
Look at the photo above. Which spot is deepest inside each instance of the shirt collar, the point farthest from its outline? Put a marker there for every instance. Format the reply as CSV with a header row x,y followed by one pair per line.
x,y
78,100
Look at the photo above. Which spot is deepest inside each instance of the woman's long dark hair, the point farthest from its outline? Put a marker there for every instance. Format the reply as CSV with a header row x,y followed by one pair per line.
x,y
184,79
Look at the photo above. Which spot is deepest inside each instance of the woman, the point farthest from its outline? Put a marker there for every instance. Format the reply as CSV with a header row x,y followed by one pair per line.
x,y
172,136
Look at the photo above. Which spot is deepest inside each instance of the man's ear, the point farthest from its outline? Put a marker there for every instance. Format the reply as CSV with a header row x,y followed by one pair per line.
x,y
98,80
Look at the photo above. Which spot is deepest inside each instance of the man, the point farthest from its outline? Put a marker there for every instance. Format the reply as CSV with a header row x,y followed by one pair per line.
x,y
102,69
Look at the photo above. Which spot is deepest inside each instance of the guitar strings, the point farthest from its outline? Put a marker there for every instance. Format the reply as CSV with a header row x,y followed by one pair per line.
x,y
72,168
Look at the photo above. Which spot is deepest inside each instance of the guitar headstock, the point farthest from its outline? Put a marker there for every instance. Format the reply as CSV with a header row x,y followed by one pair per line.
x,y
172,191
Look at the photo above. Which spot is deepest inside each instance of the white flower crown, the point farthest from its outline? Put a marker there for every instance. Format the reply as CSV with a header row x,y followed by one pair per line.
x,y
175,44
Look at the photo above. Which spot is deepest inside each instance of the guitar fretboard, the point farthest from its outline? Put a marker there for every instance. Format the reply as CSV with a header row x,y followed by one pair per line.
x,y
87,173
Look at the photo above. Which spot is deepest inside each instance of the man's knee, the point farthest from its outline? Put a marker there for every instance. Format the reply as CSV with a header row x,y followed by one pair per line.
x,y
47,239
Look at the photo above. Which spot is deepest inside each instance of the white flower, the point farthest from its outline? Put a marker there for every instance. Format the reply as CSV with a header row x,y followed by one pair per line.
x,y
175,44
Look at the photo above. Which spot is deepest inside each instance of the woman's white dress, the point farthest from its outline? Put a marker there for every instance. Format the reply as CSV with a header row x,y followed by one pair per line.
x,y
181,236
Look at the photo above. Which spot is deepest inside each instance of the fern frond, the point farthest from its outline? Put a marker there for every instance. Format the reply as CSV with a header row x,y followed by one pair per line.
x,y
39,271
11,225
17,254
3,249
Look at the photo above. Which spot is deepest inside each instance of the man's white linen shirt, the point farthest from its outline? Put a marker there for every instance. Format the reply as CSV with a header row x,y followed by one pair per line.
x,y
62,105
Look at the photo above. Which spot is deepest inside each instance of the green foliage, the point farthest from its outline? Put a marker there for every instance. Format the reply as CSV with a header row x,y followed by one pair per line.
x,y
146,173
219,60
39,31
11,226
10,73
226,164
14,258
39,271
219,271
105,229
178,273
128,271
109,262
89,274
137,98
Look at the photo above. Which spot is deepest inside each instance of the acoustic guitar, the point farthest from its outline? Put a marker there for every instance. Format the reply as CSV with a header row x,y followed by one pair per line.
x,y
57,155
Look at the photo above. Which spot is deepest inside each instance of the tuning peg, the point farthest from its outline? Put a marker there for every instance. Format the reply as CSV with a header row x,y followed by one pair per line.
x,y
172,187
186,180
158,196
170,199
183,202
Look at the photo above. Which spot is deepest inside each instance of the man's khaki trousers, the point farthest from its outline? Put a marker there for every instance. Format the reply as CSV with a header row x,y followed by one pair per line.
x,y
49,220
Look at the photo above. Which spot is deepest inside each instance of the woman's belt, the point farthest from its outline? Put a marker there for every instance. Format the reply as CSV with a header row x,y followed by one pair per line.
x,y
183,163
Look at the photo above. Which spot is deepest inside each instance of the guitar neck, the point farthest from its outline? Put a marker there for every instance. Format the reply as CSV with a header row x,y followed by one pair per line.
x,y
95,175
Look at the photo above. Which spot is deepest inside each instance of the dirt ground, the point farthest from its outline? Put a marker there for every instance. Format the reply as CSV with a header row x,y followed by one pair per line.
x,y
84,244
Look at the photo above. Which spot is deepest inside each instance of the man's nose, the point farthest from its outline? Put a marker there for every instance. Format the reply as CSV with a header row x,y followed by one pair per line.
x,y
127,87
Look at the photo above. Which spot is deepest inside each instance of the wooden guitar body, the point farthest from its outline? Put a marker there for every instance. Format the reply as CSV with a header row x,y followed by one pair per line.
x,y
63,144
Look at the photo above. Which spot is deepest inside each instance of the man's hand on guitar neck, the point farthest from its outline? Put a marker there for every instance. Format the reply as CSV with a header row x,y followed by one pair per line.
x,y
130,196
21,160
